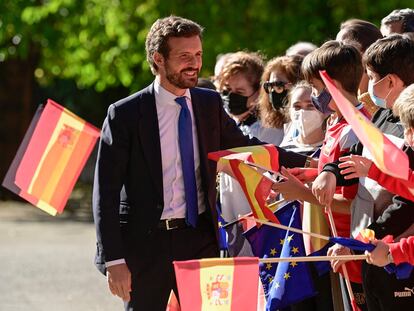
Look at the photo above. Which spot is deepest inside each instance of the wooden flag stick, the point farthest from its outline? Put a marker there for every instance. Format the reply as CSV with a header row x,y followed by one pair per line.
x,y
280,226
273,206
344,269
313,258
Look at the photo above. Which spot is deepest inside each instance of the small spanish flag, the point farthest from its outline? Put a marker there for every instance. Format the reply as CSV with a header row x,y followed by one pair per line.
x,y
51,157
237,163
218,284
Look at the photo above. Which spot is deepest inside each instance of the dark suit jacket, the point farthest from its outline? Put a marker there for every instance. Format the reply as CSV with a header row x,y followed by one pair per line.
x,y
128,187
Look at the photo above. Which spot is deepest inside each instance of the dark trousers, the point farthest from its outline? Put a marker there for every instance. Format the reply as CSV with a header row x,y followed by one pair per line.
x,y
385,292
151,265
323,300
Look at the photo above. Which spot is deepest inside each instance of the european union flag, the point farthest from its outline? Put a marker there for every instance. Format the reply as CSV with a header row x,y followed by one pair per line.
x,y
285,283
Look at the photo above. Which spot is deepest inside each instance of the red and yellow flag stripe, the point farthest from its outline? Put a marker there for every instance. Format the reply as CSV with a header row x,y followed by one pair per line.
x,y
58,149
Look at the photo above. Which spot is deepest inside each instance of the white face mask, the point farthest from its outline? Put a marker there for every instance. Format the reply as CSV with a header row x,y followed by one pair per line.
x,y
306,121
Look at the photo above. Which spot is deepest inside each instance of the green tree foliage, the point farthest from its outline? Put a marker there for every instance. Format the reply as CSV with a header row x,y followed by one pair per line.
x,y
100,43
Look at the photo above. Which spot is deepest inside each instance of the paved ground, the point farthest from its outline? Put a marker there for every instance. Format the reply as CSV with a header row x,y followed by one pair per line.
x,y
46,263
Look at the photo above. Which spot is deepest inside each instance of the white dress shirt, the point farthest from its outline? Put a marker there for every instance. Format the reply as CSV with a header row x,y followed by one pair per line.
x,y
168,112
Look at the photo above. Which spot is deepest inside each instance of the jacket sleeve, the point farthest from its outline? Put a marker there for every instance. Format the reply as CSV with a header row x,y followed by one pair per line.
x,y
403,251
404,188
334,169
232,137
110,173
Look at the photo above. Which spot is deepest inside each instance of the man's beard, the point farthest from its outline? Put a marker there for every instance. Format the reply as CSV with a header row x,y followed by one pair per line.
x,y
179,80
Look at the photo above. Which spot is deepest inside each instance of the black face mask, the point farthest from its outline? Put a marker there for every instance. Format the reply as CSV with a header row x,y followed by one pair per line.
x,y
278,100
236,104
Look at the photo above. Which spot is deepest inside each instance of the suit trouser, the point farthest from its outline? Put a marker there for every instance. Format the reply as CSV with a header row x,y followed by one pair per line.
x,y
151,266
384,291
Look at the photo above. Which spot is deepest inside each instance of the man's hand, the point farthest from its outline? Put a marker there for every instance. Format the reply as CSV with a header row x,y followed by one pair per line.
x,y
354,165
291,188
338,250
305,175
119,281
379,256
323,188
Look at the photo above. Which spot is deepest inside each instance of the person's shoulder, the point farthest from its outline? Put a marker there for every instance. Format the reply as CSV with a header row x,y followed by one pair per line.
x,y
134,98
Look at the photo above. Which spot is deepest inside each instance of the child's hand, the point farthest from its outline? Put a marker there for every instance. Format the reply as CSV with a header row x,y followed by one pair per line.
x,y
354,165
323,188
379,256
338,250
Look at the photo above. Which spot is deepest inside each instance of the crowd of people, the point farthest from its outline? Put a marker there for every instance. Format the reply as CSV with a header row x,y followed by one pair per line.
x,y
283,102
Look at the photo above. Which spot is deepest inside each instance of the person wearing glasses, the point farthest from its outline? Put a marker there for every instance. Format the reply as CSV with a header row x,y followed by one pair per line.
x,y
280,74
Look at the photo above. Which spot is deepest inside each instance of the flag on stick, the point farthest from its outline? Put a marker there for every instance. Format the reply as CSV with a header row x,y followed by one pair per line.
x,y
387,157
51,157
218,284
255,185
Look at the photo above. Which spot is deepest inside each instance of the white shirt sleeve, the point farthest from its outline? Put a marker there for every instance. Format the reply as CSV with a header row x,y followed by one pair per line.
x,y
115,262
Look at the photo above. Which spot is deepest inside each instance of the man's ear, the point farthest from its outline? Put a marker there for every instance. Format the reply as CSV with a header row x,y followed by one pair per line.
x,y
158,59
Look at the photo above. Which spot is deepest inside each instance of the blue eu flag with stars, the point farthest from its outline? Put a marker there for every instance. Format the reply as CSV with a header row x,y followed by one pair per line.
x,y
285,283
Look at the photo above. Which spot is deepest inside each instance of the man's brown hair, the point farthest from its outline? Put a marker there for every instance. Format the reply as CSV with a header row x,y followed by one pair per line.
x,y
341,61
162,30
393,54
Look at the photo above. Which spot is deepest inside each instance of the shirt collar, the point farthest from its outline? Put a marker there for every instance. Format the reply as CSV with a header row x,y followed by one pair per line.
x,y
165,96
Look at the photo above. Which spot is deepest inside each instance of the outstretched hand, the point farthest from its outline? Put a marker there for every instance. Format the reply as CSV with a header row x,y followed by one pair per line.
x,y
291,188
323,188
379,256
354,166
305,175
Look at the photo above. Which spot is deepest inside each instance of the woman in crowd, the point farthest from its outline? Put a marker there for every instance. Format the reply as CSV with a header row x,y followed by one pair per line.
x,y
280,74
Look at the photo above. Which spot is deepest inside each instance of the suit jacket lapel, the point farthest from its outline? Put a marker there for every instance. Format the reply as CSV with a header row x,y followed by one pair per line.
x,y
150,137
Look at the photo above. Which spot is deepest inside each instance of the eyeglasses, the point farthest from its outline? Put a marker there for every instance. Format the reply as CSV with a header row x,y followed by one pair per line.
x,y
278,86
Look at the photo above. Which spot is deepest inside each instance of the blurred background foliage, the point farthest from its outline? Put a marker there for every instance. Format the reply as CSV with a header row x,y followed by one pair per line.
x,y
85,54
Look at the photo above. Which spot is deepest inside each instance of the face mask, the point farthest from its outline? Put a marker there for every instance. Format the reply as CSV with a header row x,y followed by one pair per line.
x,y
278,100
322,101
380,102
236,104
306,121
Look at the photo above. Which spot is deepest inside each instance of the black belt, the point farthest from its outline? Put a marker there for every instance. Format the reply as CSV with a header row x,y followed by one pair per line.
x,y
174,223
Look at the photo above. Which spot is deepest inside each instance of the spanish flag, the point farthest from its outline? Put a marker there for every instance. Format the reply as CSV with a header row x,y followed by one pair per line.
x,y
387,157
51,157
218,284
256,186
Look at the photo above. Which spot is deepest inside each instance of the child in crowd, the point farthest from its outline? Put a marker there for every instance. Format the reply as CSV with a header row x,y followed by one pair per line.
x,y
344,65
358,166
390,67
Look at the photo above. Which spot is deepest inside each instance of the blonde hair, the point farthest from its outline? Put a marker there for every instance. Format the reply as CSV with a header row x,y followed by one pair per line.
x,y
290,67
404,107
250,64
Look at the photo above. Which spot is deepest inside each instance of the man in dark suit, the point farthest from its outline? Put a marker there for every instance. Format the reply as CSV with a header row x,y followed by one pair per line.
x,y
154,189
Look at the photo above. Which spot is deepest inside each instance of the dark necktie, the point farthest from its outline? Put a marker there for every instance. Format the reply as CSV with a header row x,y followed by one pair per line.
x,y
185,139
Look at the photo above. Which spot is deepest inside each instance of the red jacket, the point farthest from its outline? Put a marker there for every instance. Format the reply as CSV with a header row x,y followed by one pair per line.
x,y
403,251
404,188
